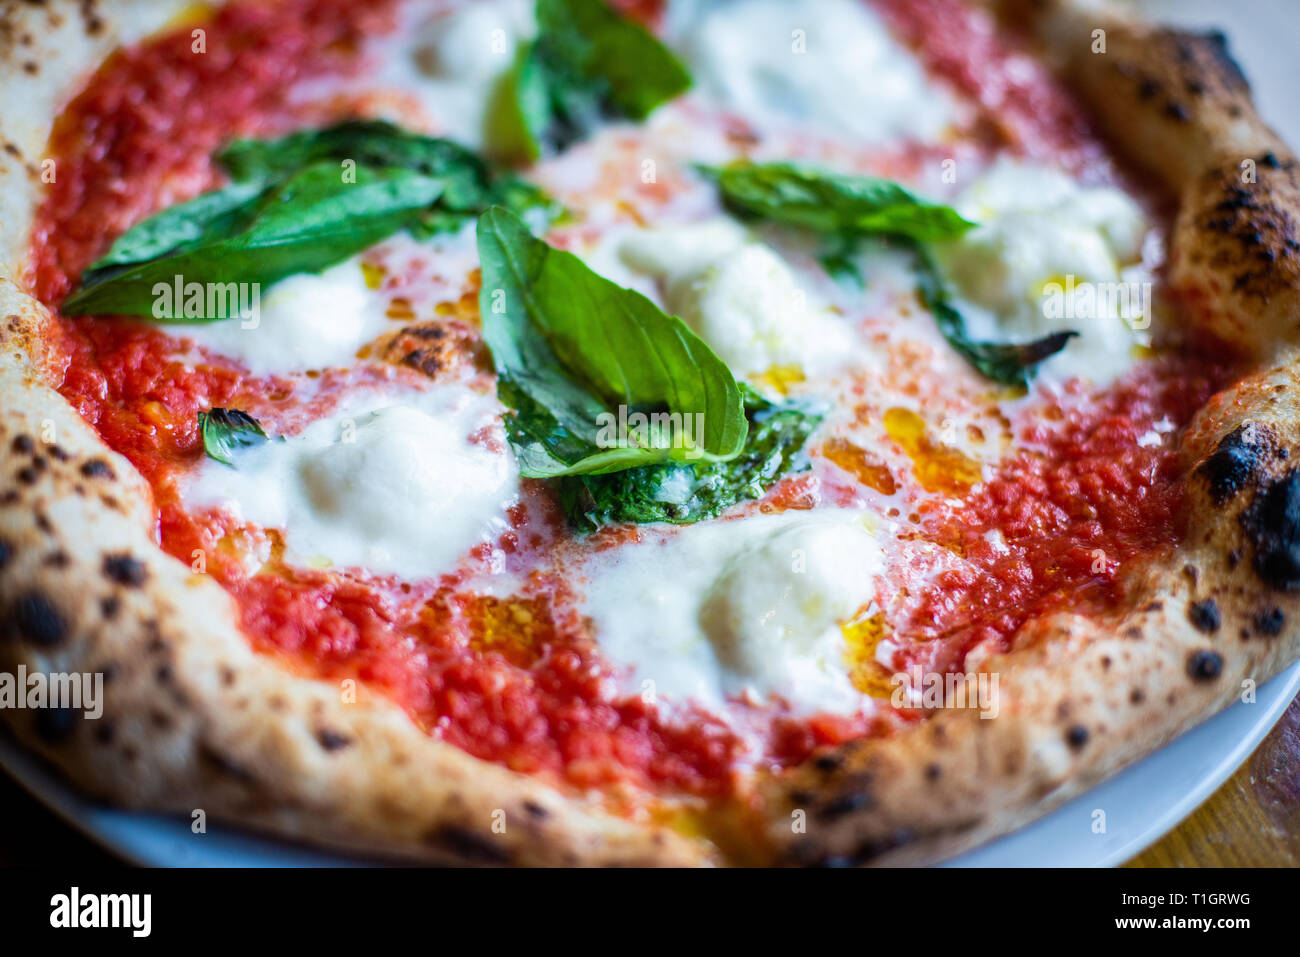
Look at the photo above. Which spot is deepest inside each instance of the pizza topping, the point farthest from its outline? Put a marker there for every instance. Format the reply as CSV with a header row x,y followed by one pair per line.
x,y
682,493
747,606
397,488
742,299
573,349
1050,256
830,66
298,205
225,431
588,62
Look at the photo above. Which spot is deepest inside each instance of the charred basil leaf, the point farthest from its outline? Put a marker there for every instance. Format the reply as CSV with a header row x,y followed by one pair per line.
x,y
227,431
588,63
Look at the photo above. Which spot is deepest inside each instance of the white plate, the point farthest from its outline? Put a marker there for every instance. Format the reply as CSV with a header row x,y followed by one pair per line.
x,y
1141,804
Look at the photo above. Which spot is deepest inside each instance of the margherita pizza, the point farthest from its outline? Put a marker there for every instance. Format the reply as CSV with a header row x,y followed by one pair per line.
x,y
574,432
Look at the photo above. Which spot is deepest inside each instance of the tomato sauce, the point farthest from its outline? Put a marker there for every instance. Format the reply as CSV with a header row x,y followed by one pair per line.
x,y
520,681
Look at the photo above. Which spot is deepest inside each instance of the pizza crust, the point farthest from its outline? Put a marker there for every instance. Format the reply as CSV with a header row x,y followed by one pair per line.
x,y
194,719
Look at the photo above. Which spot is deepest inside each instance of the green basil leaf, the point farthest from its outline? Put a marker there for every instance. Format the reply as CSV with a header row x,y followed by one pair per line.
x,y
306,223
833,203
587,63
469,184
227,431
570,348
682,493
1005,363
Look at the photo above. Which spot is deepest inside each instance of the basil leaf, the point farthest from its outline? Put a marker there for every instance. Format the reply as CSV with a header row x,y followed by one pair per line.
x,y
587,63
295,206
846,208
226,431
469,184
306,223
833,203
570,348
682,493
1005,363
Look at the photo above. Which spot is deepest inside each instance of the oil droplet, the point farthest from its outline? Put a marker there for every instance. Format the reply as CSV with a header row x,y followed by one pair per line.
x,y
861,637
373,275
780,378
861,465
938,467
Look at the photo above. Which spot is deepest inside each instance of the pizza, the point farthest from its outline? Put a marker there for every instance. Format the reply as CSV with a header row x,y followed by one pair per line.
x,y
571,432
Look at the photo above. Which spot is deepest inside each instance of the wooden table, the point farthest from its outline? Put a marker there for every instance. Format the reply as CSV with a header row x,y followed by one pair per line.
x,y
1253,820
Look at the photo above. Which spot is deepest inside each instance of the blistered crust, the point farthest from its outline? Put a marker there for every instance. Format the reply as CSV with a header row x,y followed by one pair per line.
x,y
193,718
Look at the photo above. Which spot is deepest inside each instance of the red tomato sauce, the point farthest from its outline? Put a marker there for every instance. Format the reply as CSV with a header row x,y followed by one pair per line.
x,y
518,681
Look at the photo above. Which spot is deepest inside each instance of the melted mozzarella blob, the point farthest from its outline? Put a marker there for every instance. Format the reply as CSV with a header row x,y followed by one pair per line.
x,y
398,489
1040,232
305,321
829,64
742,607
740,297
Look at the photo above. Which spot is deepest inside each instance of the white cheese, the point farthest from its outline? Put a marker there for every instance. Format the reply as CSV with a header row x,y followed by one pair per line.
x,y
303,322
455,61
828,64
748,607
740,297
1049,255
393,488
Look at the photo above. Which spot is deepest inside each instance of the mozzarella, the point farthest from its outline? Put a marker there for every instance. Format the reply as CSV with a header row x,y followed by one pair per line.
x,y
829,64
1037,229
304,322
744,607
396,489
740,297
455,62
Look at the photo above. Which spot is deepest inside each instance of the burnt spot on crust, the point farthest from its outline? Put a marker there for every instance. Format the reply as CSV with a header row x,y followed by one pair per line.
x,y
850,802
224,765
1204,616
1076,736
1270,621
828,763
533,809
1272,524
125,570
1235,461
56,724
23,445
1204,665
109,607
1251,231
1215,43
468,844
33,617
332,740
6,552
28,475
97,468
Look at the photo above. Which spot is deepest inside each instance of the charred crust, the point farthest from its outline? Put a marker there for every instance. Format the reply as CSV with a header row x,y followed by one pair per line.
x,y
23,445
28,475
1076,736
1204,616
1204,665
1235,462
468,845
109,606
844,804
1272,524
1270,621
33,617
1137,696
224,765
6,552
125,570
533,809
828,763
97,468
332,740
54,725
